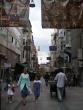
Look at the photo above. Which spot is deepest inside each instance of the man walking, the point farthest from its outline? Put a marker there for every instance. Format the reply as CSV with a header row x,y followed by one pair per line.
x,y
46,77
60,78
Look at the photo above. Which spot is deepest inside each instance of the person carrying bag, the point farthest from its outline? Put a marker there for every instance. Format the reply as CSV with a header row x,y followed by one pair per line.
x,y
24,83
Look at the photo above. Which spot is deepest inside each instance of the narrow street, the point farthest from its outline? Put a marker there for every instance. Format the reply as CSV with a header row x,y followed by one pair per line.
x,y
73,101
41,39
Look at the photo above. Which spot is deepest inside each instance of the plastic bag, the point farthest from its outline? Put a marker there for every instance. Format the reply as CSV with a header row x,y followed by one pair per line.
x,y
30,91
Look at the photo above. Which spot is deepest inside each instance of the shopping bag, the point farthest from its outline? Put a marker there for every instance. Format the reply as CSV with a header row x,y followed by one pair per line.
x,y
24,91
30,91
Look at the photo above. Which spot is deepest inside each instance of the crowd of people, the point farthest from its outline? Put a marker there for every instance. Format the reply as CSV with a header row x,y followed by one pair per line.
x,y
61,79
24,84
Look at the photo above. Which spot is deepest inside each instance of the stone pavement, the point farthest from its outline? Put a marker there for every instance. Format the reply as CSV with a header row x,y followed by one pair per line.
x,y
73,101
4,101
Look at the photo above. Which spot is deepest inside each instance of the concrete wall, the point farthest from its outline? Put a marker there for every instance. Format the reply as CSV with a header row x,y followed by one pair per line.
x,y
10,44
77,43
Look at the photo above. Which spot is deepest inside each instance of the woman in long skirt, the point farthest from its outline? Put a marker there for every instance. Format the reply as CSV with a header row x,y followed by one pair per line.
x,y
24,83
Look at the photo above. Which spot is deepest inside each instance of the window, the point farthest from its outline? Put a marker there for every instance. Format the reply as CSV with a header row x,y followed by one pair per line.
x,y
64,33
23,54
15,42
24,42
61,47
12,39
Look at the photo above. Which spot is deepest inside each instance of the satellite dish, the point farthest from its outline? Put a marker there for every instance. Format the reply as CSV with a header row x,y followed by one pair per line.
x,y
32,4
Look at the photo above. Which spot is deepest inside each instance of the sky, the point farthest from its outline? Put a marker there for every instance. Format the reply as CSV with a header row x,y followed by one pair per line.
x,y
42,37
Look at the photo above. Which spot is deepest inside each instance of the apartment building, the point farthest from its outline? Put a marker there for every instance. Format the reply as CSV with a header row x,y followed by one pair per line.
x,y
77,53
61,56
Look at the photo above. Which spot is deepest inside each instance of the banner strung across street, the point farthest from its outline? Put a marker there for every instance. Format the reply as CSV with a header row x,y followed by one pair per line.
x,y
14,13
62,13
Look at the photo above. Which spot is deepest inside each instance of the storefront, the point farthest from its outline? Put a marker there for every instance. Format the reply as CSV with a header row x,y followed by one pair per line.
x,y
8,59
2,61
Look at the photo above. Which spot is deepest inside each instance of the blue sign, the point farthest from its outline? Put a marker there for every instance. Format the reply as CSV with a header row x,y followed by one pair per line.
x,y
52,48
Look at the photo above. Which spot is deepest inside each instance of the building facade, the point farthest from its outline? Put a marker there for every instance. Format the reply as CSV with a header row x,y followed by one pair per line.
x,y
10,47
77,53
61,56
69,43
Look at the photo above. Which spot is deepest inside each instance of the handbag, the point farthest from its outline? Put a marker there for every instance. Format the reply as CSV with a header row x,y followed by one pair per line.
x,y
30,91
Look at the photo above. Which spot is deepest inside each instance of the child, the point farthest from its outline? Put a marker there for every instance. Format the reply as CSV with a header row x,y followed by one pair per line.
x,y
37,87
13,86
10,93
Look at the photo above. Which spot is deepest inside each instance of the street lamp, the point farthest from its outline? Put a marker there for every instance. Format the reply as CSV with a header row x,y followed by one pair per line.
x,y
32,4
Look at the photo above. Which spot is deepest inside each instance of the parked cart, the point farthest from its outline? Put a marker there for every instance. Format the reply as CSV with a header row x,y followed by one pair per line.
x,y
53,88
53,84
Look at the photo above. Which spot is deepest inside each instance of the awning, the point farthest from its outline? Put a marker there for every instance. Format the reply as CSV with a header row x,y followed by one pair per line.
x,y
24,65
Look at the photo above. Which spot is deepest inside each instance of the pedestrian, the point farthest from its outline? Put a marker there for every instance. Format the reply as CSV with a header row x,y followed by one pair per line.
x,y
69,80
13,86
24,83
46,77
74,80
43,83
37,87
10,92
60,78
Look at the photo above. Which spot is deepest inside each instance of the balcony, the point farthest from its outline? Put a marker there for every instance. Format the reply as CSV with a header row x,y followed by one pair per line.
x,y
25,30
28,48
68,46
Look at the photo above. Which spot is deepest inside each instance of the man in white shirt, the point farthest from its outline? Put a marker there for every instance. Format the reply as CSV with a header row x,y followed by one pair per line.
x,y
60,78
